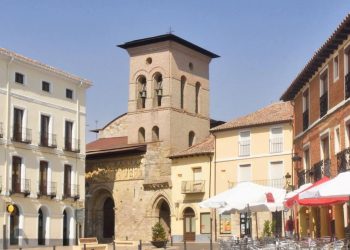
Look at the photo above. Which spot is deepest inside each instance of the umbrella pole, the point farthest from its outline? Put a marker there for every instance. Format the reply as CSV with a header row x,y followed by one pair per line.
x,y
256,225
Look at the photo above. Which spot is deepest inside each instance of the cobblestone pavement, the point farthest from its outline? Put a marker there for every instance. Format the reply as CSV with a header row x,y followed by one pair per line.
x,y
176,246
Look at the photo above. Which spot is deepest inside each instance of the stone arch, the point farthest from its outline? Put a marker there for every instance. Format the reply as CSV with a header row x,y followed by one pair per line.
x,y
68,228
157,83
96,209
185,206
155,133
141,135
162,212
16,221
43,227
183,82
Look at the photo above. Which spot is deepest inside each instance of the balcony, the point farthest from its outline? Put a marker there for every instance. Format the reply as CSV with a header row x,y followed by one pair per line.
x,y
276,145
347,86
23,135
343,160
1,131
47,189
192,187
21,186
302,177
48,140
71,145
70,192
305,120
323,104
277,183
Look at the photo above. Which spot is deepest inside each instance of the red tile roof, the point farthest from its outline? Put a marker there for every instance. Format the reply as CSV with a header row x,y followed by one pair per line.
x,y
204,147
274,113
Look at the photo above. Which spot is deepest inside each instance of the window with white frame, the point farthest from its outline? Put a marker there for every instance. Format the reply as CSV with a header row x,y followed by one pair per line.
x,y
276,173
276,140
244,143
347,71
325,147
337,140
336,68
306,101
323,93
245,173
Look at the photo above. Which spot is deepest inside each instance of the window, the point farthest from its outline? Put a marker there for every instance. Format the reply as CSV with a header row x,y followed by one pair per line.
x,y
155,133
45,86
276,174
19,78
244,143
44,165
198,184
323,93
205,223
347,71
18,124
336,68
306,101
68,140
16,174
69,93
67,180
337,140
191,136
245,173
325,147
158,79
142,92
44,130
182,91
141,135
198,86
276,140
307,164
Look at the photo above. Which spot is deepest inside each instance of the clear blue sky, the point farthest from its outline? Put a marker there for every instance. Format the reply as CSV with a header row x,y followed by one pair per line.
x,y
263,44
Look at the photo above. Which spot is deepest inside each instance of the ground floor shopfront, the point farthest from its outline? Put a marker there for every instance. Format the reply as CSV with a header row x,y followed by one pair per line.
x,y
37,222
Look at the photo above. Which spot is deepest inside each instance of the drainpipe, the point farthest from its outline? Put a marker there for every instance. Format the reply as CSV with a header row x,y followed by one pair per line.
x,y
215,222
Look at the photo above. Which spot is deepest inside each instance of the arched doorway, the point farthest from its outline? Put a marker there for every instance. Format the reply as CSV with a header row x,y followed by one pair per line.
x,y
14,226
108,218
41,228
65,228
189,227
164,216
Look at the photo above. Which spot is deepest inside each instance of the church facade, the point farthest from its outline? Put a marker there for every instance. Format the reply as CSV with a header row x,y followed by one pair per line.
x,y
128,169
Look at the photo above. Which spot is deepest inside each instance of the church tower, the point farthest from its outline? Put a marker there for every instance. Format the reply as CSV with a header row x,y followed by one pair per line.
x,y
168,92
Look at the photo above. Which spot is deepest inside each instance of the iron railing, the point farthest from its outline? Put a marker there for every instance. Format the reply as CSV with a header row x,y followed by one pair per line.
x,y
244,148
20,134
347,86
277,183
323,104
305,120
71,191
20,186
188,187
343,160
301,177
320,170
47,189
72,145
276,145
48,140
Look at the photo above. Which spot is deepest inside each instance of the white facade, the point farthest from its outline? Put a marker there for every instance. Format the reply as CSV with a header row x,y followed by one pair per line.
x,y
42,151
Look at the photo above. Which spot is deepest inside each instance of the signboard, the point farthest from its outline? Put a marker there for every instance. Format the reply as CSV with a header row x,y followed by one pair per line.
x,y
80,215
225,223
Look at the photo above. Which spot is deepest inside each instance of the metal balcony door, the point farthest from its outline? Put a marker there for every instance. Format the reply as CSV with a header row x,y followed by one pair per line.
x,y
67,180
44,136
41,228
189,225
68,135
17,124
43,177
16,174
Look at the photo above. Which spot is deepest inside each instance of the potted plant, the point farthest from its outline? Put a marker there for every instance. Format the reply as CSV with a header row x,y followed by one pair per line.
x,y
158,236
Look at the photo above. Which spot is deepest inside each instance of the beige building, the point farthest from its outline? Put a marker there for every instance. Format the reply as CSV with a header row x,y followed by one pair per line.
x,y
42,164
257,148
128,169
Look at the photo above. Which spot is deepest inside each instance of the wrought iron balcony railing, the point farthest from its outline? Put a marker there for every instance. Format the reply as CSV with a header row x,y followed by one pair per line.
x,y
301,177
277,183
190,187
48,140
343,160
323,104
276,145
71,191
347,86
20,186
20,134
47,189
72,145
317,172
305,120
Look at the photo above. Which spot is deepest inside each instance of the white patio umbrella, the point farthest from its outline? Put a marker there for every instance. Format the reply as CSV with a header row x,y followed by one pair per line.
x,y
337,187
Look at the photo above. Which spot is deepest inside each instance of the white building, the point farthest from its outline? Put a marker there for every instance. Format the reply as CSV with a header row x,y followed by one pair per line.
x,y
42,152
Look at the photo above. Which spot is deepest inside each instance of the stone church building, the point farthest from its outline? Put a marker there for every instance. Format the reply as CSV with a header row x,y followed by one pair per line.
x,y
128,178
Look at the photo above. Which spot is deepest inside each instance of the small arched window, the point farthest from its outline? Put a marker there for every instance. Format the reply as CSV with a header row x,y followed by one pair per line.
x,y
182,91
158,87
191,136
141,135
155,133
198,86
142,91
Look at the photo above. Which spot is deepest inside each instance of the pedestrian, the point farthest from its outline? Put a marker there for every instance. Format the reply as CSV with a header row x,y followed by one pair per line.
x,y
290,227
